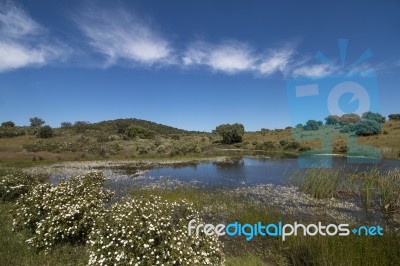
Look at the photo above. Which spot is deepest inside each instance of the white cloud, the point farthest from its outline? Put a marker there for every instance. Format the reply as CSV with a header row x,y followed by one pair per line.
x,y
312,71
15,22
119,35
233,57
22,41
275,61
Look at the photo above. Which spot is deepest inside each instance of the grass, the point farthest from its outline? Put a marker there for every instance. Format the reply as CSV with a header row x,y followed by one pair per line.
x,y
221,206
350,250
320,183
372,186
196,145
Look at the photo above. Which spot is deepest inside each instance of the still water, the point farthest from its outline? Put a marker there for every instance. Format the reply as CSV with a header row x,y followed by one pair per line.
x,y
244,171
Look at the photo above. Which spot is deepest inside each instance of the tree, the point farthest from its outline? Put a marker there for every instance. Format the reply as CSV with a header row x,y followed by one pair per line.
x,y
367,128
332,120
370,116
81,126
45,132
140,132
312,125
394,117
347,119
66,125
36,122
8,124
230,133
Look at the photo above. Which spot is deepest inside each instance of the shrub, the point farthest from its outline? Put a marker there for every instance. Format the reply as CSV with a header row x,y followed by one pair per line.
x,y
292,145
305,148
15,183
139,132
8,124
9,132
151,232
363,128
45,132
230,133
268,145
283,142
63,213
36,122
312,125
394,117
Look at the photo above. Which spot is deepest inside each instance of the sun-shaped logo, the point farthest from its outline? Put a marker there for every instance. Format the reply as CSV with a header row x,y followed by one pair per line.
x,y
359,94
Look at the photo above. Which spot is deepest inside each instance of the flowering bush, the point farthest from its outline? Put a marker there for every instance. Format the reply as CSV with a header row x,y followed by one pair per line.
x,y
151,232
81,144
15,183
61,214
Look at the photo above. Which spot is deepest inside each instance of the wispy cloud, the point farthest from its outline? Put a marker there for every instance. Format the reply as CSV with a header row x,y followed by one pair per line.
x,y
229,57
119,35
276,60
312,71
22,40
233,57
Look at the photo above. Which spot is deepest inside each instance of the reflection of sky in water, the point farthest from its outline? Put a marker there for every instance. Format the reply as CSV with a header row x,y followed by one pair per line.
x,y
242,172
248,171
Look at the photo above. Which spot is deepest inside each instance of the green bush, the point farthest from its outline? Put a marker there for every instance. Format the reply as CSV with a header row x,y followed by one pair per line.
x,y
292,145
312,125
14,183
10,132
61,214
151,232
45,132
139,132
230,133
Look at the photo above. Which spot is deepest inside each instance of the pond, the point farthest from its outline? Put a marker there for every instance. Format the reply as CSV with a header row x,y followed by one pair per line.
x,y
244,171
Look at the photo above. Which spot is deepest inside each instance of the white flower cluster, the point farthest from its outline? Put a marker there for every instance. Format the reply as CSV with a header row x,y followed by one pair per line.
x,y
64,213
151,232
14,184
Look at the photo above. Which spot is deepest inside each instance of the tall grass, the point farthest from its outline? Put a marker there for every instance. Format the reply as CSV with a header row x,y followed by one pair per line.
x,y
373,186
319,183
349,250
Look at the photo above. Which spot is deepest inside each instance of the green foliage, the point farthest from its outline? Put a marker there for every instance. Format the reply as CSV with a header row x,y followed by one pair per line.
x,y
81,126
283,142
8,124
370,116
81,144
230,133
312,125
332,120
119,126
363,128
151,232
394,117
66,125
45,132
294,145
139,132
36,122
319,183
14,183
61,214
10,132
347,119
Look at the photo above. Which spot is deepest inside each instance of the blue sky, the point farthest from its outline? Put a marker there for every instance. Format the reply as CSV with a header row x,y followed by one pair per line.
x,y
189,64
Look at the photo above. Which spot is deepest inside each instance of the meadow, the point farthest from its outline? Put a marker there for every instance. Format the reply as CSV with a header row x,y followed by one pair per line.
x,y
77,234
